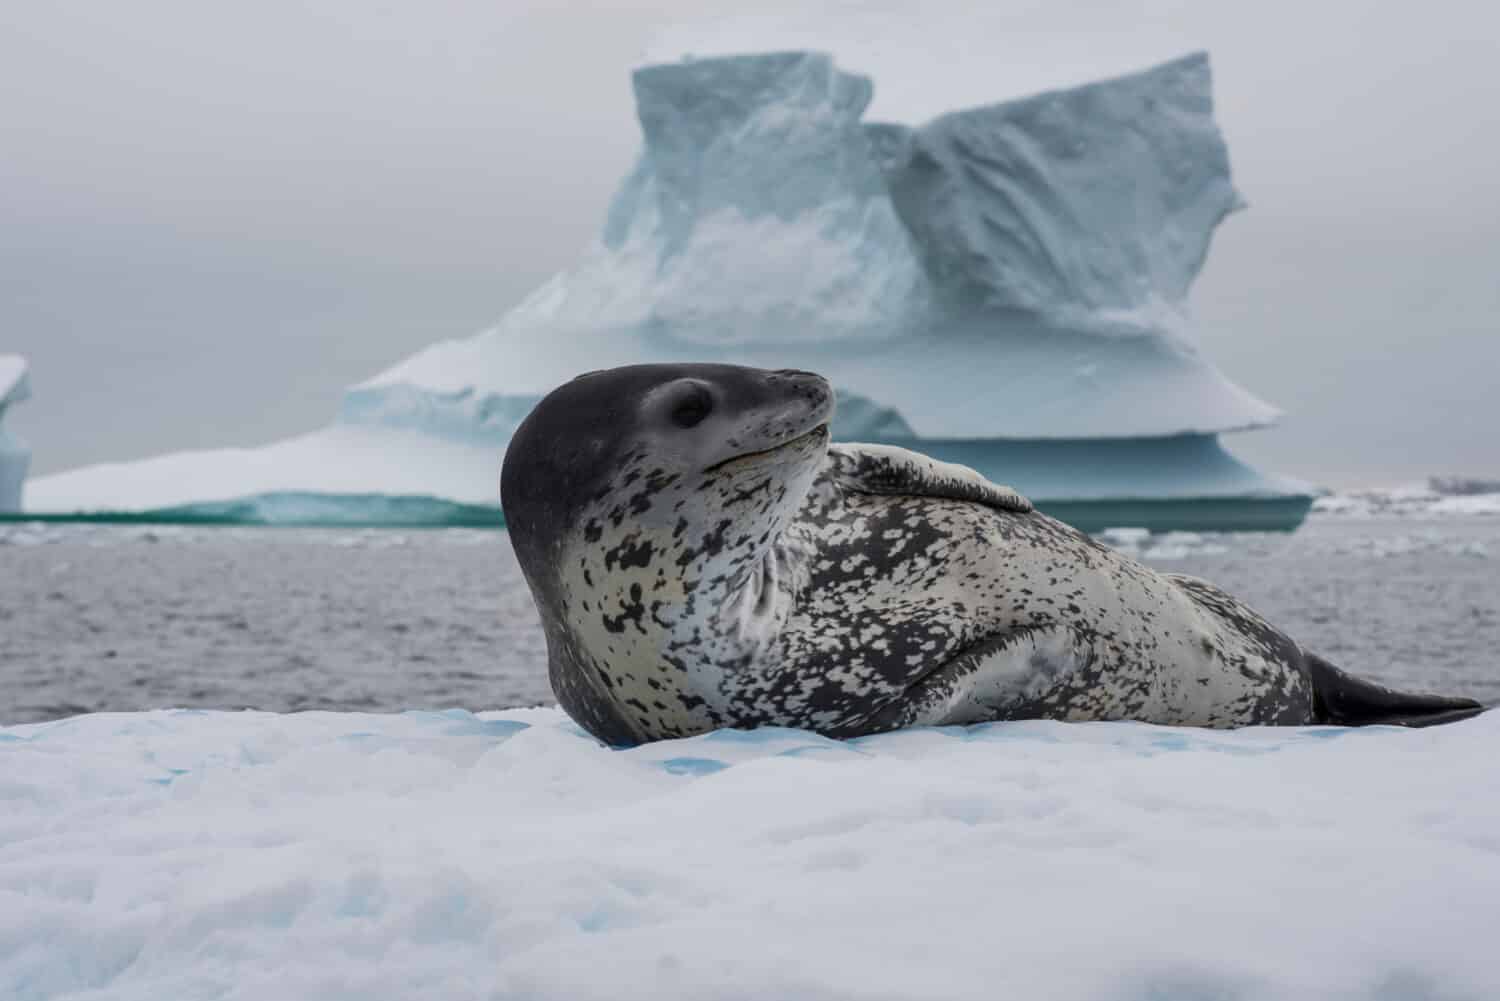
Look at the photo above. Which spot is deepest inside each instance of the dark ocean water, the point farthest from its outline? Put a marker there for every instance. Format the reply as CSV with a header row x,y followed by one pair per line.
x,y
100,618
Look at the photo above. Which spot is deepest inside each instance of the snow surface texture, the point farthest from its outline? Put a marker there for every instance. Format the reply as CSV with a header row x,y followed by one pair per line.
x,y
184,855
1015,271
15,457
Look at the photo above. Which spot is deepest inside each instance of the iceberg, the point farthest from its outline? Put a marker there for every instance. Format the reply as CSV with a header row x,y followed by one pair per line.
x,y
1003,286
193,855
15,457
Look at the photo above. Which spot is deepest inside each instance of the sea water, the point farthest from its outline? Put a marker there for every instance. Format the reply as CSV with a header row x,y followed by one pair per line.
x,y
99,618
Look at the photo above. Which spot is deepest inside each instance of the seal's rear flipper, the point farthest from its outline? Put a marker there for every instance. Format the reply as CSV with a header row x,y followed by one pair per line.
x,y
1343,699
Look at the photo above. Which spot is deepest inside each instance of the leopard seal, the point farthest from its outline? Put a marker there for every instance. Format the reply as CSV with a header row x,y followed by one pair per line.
x,y
701,556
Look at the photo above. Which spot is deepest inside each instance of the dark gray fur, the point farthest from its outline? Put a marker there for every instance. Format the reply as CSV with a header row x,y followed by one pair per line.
x,y
731,568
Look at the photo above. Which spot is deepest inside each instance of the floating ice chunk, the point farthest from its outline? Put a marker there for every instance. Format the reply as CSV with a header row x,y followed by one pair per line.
x,y
1435,498
1125,538
1144,544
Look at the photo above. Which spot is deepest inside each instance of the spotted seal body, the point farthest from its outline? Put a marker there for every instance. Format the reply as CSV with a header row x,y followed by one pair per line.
x,y
702,557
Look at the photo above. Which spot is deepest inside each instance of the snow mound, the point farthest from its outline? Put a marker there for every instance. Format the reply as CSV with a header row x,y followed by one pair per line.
x,y
248,855
15,457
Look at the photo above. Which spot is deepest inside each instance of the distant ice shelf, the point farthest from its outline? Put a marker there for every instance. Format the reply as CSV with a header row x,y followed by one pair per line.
x,y
348,474
1005,285
15,457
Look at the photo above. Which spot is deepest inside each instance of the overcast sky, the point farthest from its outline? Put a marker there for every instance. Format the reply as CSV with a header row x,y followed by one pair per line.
x,y
215,216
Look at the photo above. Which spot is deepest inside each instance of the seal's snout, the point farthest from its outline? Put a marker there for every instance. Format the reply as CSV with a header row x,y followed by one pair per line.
x,y
810,391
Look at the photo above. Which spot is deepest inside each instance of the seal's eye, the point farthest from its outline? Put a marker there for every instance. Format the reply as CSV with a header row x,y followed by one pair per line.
x,y
692,407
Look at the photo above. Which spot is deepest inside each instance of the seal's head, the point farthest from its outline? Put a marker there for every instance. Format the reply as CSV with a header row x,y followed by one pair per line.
x,y
643,503
613,439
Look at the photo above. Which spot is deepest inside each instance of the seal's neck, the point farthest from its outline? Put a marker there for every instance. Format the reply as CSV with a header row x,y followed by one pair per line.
x,y
737,567
670,596
753,599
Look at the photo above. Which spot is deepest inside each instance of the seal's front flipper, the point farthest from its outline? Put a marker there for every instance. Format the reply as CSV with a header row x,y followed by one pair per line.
x,y
1343,699
887,469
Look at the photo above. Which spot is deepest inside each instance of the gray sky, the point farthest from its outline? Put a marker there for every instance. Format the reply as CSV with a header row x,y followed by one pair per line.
x,y
215,216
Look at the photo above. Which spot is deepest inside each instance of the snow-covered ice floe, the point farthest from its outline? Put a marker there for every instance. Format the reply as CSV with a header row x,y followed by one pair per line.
x,y
184,855
15,457
1439,497
1142,543
1004,285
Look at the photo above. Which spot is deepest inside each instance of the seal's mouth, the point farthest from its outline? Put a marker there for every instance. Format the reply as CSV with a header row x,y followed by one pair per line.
x,y
816,436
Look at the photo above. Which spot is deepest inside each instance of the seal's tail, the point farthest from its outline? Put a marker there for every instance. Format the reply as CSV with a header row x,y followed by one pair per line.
x,y
1342,699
